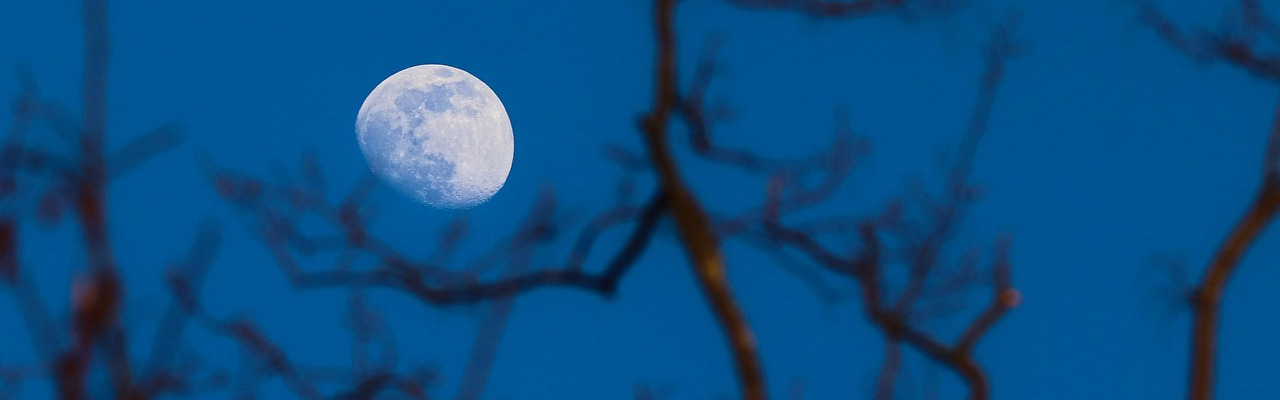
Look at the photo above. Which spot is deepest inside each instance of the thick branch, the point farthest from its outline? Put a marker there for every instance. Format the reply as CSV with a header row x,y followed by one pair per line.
x,y
694,227
1207,298
1237,48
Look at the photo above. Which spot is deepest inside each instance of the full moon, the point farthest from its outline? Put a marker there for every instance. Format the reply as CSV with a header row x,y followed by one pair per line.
x,y
437,134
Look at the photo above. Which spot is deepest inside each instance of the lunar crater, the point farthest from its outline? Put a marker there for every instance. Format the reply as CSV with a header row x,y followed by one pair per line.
x,y
437,134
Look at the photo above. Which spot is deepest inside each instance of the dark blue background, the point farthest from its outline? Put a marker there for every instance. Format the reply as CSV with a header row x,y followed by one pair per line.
x,y
1107,152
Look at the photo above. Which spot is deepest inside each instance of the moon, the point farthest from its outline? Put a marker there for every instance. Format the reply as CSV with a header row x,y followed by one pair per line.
x,y
437,134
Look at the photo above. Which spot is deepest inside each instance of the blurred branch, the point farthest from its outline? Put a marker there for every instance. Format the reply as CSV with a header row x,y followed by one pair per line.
x,y
141,148
273,207
696,232
78,180
699,118
921,250
485,347
889,366
1206,300
185,277
277,209
1238,47
301,380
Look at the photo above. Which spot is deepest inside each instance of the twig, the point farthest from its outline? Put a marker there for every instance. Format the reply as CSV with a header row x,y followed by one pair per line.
x,y
894,317
430,283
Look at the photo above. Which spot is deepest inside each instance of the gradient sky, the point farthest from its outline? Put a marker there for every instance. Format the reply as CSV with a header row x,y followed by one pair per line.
x,y
1108,154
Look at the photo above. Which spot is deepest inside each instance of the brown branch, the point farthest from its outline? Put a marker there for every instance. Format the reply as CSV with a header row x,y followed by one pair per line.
x,y
958,193
437,285
1003,298
1237,48
97,296
1206,301
695,229
958,356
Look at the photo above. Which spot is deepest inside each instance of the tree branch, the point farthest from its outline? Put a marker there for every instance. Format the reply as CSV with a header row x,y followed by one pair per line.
x,y
1206,301
1238,48
695,229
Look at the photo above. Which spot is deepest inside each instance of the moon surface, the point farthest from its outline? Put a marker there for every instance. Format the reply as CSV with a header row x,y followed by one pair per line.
x,y
437,134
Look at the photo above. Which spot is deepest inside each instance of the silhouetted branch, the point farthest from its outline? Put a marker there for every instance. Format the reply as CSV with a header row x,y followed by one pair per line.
x,y
1271,157
484,349
12,376
889,367
185,277
267,358
277,207
95,337
649,392
485,346
1235,45
431,283
141,148
920,249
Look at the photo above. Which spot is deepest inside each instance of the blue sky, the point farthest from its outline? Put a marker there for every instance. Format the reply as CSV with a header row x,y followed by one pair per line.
x,y
1107,152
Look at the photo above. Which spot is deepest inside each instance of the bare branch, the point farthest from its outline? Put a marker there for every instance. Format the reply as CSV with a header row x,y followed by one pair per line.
x,y
696,232
1207,296
141,148
1236,47
1239,49
432,283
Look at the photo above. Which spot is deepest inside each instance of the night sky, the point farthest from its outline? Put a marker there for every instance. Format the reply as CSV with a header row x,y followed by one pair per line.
x,y
1112,161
